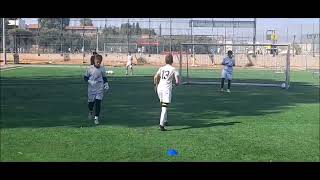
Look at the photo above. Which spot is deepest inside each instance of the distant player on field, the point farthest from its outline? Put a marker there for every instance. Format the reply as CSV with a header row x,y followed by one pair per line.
x,y
227,71
97,84
129,63
163,85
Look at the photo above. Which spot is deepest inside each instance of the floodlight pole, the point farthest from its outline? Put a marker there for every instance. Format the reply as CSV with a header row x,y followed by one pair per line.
x,y
170,35
97,41
4,41
192,34
83,38
128,36
61,36
293,44
225,39
105,35
180,62
38,34
313,54
149,35
301,34
254,36
212,30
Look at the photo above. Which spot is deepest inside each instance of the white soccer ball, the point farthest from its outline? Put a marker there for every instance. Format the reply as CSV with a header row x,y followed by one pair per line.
x,y
283,85
109,72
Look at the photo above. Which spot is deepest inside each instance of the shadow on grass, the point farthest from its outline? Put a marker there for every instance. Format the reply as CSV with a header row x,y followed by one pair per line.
x,y
196,125
54,102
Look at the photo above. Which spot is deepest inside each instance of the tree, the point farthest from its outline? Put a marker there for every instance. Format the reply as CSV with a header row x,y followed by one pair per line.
x,y
72,40
86,22
23,37
133,29
147,31
110,31
54,23
6,26
49,39
125,28
137,29
65,22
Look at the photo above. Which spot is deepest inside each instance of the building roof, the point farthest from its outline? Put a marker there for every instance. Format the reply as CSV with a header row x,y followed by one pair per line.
x,y
81,28
33,26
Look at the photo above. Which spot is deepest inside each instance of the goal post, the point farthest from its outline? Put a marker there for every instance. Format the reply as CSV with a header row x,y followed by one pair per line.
x,y
203,65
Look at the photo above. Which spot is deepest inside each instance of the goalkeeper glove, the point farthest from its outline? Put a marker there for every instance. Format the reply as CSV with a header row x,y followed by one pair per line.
x,y
91,82
106,86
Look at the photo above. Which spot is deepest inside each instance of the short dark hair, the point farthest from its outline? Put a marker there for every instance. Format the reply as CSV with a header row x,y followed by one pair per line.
x,y
94,53
230,52
169,59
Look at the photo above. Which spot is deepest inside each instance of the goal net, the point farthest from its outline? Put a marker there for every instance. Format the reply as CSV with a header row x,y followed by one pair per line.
x,y
200,63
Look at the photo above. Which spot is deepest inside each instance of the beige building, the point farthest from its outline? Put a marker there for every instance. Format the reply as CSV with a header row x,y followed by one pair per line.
x,y
32,27
86,30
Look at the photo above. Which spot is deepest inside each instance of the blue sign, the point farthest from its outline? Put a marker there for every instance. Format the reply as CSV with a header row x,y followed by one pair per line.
x,y
221,24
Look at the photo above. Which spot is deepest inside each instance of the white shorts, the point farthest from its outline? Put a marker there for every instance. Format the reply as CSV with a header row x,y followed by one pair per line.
x,y
129,64
164,95
227,75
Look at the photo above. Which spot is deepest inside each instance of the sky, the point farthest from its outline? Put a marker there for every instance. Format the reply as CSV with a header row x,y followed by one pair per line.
x,y
286,28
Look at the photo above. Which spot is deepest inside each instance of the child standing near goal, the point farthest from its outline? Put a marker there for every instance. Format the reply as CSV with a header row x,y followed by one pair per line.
x,y
163,85
97,84
227,71
129,64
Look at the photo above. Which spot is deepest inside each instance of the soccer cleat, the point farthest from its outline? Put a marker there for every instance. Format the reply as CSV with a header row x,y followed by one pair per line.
x,y
96,121
221,89
228,90
90,115
162,128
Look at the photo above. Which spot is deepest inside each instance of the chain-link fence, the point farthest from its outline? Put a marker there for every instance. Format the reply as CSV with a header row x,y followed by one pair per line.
x,y
142,35
63,40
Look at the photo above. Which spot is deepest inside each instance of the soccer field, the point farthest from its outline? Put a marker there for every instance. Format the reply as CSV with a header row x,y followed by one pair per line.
x,y
44,118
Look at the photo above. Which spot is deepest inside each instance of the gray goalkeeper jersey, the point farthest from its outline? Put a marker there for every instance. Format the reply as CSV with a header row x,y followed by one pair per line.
x,y
96,74
228,64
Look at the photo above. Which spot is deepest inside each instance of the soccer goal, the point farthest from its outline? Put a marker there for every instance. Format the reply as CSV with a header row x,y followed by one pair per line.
x,y
200,63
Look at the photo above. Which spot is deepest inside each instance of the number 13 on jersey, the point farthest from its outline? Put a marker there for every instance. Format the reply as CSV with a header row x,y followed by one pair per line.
x,y
164,74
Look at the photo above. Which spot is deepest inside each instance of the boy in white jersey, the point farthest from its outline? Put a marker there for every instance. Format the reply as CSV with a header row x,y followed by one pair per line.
x,y
129,63
163,82
97,84
227,71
